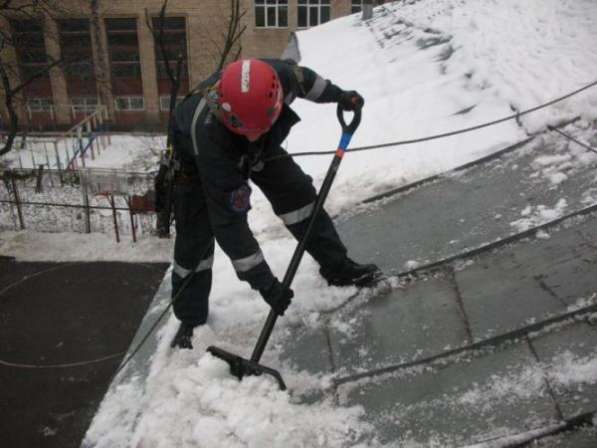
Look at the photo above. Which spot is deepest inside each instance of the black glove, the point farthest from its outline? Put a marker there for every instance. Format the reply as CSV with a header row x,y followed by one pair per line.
x,y
277,298
351,100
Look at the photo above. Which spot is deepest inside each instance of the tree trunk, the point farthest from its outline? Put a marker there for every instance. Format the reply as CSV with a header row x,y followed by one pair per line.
x,y
100,63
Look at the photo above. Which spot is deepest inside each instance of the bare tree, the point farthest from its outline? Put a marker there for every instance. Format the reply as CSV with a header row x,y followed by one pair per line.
x,y
101,65
11,90
233,34
174,63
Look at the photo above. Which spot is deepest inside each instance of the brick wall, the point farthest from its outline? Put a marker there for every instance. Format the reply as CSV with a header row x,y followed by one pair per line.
x,y
206,21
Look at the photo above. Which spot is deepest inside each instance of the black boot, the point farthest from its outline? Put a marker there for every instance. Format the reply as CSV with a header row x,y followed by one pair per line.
x,y
184,336
350,273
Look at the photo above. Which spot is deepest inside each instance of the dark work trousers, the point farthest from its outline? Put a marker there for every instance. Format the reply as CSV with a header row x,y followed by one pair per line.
x,y
193,249
292,196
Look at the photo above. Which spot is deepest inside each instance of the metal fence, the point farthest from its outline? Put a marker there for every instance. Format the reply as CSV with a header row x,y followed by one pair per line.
x,y
83,200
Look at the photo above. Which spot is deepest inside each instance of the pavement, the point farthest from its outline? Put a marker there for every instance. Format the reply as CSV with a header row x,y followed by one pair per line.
x,y
64,330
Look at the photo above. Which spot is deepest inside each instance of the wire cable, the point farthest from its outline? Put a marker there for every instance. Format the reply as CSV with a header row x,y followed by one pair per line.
x,y
61,366
569,137
444,134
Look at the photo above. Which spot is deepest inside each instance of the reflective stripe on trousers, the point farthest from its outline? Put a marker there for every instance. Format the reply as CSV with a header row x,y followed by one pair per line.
x,y
248,263
204,265
298,215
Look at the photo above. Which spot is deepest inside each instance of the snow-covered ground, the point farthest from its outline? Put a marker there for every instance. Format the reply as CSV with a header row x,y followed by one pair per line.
x,y
424,67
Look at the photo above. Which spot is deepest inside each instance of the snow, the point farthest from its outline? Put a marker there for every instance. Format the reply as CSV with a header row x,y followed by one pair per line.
x,y
515,55
62,247
238,414
136,153
508,441
534,216
568,369
424,68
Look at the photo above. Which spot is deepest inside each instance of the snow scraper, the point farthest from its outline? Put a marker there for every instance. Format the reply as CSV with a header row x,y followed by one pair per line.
x,y
240,366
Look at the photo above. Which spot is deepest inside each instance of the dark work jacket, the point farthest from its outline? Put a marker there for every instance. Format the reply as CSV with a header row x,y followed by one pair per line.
x,y
224,160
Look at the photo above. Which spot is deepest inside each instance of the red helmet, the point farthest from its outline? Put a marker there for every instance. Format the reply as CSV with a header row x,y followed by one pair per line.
x,y
250,97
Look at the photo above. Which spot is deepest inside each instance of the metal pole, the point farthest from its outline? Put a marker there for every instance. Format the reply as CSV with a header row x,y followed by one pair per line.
x,y
85,195
80,139
48,164
17,200
90,135
107,118
58,163
113,205
101,130
39,179
131,213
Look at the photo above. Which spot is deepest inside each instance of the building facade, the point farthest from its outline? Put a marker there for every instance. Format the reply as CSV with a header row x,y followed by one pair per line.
x,y
114,59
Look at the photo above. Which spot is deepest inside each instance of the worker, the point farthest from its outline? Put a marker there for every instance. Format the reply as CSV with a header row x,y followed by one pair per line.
x,y
226,133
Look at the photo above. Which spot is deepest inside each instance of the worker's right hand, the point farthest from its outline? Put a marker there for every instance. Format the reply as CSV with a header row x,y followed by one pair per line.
x,y
277,297
351,100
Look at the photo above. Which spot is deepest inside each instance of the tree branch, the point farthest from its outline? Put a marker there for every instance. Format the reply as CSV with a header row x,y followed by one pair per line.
x,y
37,75
13,118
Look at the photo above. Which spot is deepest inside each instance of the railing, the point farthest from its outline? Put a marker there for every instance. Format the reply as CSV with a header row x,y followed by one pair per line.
x,y
83,201
68,150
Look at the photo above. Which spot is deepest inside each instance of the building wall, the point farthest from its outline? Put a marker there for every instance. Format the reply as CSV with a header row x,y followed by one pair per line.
x,y
206,21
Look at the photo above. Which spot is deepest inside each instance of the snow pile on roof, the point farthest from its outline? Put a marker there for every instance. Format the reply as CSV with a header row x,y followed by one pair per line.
x,y
195,402
431,67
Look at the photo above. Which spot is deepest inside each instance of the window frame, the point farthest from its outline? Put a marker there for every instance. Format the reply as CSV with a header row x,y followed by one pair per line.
x,y
85,103
40,104
267,5
169,30
309,5
165,102
356,8
69,28
129,100
116,27
30,47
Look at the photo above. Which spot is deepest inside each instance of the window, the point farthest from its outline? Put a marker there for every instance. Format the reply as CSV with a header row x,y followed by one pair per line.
x,y
175,44
40,104
123,48
357,5
165,102
75,44
271,13
30,48
85,103
313,12
129,103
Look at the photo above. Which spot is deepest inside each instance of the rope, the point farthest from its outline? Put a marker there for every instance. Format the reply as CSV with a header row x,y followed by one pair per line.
x,y
515,116
184,286
495,341
149,332
569,137
61,366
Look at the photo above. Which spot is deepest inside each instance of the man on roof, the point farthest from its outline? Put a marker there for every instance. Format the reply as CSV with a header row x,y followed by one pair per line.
x,y
229,132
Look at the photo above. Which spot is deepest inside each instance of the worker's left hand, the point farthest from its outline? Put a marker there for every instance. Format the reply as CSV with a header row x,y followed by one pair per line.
x,y
277,297
351,100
